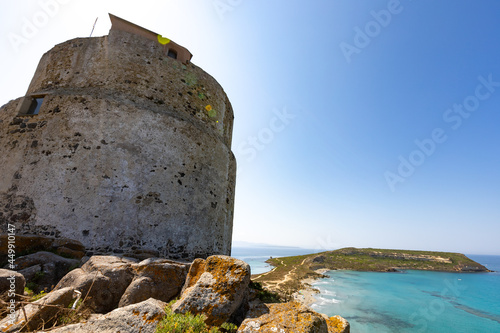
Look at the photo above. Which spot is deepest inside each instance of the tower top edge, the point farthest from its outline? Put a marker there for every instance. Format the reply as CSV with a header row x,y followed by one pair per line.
x,y
182,53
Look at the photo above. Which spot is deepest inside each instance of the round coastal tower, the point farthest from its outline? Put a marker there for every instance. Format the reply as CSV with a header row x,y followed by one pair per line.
x,y
123,144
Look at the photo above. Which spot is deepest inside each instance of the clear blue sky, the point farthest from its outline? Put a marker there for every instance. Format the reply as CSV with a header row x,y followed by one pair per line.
x,y
330,98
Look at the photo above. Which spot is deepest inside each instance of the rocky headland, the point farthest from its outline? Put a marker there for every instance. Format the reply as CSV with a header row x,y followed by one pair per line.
x,y
291,277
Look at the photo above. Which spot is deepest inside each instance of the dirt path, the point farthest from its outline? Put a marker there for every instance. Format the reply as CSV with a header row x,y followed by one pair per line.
x,y
276,284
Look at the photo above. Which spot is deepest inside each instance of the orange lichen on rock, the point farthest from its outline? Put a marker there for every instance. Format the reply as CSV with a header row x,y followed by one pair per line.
x,y
286,317
197,268
337,324
216,287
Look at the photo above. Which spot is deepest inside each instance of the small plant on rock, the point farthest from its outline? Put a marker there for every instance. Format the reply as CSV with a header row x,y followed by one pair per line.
x,y
180,323
189,323
229,328
72,316
36,297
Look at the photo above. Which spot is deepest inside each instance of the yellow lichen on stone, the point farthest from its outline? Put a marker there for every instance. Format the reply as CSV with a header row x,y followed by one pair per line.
x,y
215,287
286,317
197,268
337,324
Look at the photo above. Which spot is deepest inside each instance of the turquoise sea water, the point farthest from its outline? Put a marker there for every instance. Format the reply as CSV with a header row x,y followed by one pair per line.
x,y
257,256
412,301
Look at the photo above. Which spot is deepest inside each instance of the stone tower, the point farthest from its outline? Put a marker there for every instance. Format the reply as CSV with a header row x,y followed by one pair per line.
x,y
123,144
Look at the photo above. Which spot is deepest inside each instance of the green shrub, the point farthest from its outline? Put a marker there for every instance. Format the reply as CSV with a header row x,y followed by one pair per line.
x,y
256,285
38,296
181,323
189,323
28,291
229,328
265,295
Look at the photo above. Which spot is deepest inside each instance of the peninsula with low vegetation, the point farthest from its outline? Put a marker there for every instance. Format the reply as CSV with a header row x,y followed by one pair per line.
x,y
293,274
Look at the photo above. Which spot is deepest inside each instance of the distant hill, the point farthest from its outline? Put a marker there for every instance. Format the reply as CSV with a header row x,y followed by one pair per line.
x,y
290,272
389,260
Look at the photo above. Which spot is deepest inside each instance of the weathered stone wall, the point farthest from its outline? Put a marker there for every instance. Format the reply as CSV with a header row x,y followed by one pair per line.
x,y
129,152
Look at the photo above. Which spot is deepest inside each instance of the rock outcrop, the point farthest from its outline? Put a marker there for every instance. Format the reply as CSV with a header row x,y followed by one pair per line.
x,y
337,324
103,279
38,313
159,278
33,243
285,317
10,279
141,317
216,287
130,296
45,269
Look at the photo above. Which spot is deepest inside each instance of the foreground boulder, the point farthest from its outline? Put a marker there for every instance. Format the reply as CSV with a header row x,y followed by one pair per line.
x,y
141,317
38,313
44,269
216,287
159,278
195,270
103,279
284,317
337,324
10,279
34,243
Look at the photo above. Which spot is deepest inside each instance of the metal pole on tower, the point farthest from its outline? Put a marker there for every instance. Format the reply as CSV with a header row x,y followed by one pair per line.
x,y
93,27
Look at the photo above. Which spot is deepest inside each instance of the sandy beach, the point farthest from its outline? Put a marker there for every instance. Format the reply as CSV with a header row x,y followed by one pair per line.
x,y
307,295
